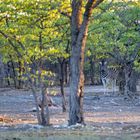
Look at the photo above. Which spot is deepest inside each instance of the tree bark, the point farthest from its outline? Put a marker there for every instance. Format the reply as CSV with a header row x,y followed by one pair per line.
x,y
2,74
133,82
20,75
79,29
62,84
121,81
67,65
36,101
8,74
45,115
128,75
66,72
92,70
76,89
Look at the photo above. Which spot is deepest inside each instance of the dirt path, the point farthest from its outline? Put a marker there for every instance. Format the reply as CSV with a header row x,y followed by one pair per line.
x,y
101,110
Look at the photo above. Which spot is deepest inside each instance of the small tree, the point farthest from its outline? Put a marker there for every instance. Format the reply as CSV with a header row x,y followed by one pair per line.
x,y
27,31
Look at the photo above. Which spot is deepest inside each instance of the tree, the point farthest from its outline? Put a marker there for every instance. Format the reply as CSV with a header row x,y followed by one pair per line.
x,y
61,54
120,40
79,29
27,31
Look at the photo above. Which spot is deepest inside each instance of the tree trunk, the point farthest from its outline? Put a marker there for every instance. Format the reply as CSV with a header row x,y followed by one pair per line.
x,y
121,81
36,102
13,74
2,74
79,29
77,77
92,70
31,83
62,85
76,87
133,82
47,113
128,73
43,119
8,76
20,75
127,81
67,65
45,116
66,73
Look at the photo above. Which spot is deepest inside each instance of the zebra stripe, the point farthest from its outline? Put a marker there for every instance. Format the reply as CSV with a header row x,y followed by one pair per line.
x,y
108,75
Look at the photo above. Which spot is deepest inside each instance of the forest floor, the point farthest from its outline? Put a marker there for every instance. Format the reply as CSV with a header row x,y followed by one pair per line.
x,y
105,114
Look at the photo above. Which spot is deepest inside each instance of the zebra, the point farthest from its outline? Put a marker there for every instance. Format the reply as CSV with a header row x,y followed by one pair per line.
x,y
108,76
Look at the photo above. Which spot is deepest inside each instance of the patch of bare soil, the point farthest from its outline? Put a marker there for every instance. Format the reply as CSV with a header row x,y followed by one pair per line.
x,y
108,110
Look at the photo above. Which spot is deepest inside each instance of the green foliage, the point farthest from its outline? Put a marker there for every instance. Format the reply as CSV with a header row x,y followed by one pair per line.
x,y
116,31
39,31
35,30
137,65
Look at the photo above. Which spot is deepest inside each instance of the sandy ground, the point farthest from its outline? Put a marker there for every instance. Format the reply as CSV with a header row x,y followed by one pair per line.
x,y
101,110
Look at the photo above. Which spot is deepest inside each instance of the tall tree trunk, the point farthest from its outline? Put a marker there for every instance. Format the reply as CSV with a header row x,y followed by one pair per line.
x,y
79,29
133,82
121,81
62,84
92,70
2,74
20,75
13,74
76,87
67,65
8,75
66,73
128,73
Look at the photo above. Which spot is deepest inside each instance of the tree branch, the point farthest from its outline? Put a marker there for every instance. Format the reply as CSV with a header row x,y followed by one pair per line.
x,y
135,53
65,14
11,43
96,3
91,4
